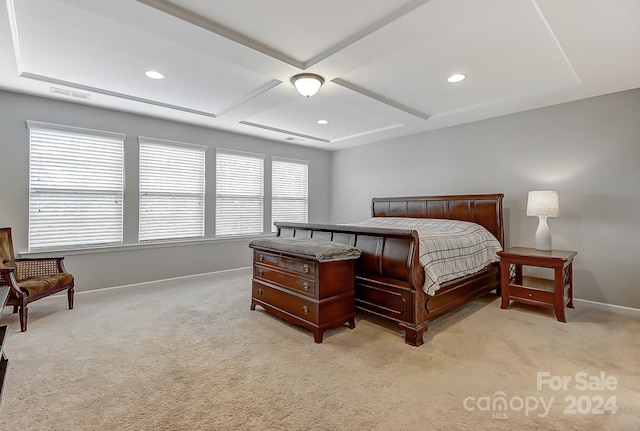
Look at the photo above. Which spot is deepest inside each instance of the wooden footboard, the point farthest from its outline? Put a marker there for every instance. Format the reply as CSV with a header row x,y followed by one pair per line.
x,y
387,253
389,277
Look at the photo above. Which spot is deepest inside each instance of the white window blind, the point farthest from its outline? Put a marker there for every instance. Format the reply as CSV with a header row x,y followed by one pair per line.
x,y
75,187
289,189
239,193
172,190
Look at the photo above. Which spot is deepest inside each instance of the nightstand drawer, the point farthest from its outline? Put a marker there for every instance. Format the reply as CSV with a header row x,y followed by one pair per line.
x,y
290,281
300,266
537,295
285,301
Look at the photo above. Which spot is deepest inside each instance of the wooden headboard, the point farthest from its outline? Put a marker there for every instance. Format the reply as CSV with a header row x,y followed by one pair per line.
x,y
485,210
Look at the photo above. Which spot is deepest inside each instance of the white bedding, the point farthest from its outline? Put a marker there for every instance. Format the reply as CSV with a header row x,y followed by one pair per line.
x,y
449,249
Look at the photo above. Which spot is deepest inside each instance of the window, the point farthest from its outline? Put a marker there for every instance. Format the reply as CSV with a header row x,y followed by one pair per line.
x,y
172,190
75,187
289,191
239,193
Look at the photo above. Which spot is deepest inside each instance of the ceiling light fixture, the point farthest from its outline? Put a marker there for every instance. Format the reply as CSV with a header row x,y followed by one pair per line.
x,y
323,121
307,84
457,77
154,74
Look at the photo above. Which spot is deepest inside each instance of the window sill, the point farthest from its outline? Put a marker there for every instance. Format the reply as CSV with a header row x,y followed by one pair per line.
x,y
140,246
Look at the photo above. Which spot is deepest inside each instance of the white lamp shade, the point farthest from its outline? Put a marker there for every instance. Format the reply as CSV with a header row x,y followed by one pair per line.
x,y
543,203
307,84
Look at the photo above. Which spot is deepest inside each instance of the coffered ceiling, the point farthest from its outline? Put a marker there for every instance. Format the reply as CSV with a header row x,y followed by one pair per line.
x,y
228,64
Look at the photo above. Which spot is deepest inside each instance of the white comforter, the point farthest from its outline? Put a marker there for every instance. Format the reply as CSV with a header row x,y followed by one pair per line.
x,y
448,248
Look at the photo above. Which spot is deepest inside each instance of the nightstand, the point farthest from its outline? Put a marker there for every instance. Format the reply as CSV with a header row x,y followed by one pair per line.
x,y
556,293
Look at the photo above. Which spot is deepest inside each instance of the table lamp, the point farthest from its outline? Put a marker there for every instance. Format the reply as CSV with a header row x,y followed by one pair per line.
x,y
543,204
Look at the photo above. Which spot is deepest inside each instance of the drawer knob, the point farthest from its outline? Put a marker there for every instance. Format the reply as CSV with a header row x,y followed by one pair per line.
x,y
305,286
260,273
305,268
260,258
531,295
305,309
259,292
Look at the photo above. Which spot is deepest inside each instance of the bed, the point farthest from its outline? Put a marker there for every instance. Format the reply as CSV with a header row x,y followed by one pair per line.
x,y
389,277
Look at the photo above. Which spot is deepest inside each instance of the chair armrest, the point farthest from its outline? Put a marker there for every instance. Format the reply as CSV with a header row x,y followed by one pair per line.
x,y
8,279
6,275
33,267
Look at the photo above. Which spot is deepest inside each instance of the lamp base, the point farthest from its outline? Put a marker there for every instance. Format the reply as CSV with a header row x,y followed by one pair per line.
x,y
543,235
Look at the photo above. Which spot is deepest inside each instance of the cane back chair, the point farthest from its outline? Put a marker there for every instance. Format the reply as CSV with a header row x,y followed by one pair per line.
x,y
30,279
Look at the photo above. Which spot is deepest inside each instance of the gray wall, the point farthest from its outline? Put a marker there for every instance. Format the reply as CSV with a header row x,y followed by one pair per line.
x,y
587,150
134,265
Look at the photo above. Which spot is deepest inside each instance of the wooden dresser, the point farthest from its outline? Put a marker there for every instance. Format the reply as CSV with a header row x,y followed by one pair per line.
x,y
303,290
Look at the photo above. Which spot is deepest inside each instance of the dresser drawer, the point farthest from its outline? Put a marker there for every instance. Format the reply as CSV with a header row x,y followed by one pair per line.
x,y
306,286
305,309
293,264
537,295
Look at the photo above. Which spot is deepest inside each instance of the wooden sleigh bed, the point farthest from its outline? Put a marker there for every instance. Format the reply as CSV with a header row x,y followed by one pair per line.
x,y
389,275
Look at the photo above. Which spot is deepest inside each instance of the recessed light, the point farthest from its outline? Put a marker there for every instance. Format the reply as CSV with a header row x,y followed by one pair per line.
x,y
323,121
456,77
154,74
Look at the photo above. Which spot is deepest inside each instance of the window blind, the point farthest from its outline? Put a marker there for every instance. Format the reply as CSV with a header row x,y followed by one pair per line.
x,y
289,188
239,193
172,190
75,187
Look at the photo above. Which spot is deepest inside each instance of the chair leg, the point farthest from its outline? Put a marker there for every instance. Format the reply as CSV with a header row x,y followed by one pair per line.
x,y
24,311
70,298
15,309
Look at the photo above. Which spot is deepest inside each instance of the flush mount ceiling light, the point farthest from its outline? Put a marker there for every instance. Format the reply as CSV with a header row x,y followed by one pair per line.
x,y
323,121
307,84
154,74
456,77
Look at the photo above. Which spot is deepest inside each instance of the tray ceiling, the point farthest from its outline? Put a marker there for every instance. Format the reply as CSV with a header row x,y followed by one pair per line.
x,y
385,63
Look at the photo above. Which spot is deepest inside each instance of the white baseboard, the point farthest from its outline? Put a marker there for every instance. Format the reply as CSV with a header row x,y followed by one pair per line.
x,y
620,309
165,280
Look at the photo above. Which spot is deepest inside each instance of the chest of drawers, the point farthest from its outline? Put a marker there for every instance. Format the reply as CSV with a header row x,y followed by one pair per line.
x,y
304,291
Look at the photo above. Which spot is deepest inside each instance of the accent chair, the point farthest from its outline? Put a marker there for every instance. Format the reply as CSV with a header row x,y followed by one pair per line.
x,y
30,279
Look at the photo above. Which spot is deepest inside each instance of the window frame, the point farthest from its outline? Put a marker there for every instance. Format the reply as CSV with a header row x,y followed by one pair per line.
x,y
65,184
274,198
193,224
247,199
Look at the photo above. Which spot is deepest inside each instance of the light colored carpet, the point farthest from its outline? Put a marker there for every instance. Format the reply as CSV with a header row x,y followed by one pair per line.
x,y
190,355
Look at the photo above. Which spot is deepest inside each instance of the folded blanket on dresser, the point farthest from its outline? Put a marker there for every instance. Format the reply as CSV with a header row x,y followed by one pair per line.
x,y
323,251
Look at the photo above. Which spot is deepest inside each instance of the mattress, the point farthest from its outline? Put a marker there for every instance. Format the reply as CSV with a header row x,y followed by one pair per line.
x,y
449,249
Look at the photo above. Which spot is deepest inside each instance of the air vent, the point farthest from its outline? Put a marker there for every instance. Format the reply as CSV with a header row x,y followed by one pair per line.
x,y
69,93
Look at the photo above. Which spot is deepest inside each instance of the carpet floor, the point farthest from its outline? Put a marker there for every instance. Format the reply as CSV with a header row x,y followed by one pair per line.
x,y
188,354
